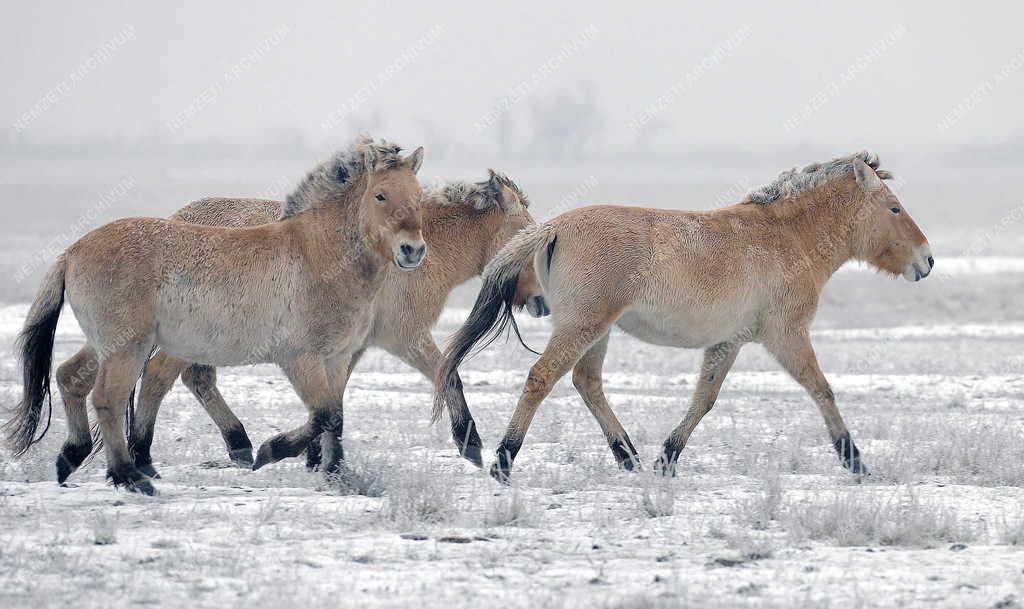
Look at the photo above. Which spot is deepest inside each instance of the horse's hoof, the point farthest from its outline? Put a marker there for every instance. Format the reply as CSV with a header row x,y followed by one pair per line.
x,y
858,469
64,469
149,470
132,480
472,454
630,465
264,456
662,467
242,457
142,487
502,475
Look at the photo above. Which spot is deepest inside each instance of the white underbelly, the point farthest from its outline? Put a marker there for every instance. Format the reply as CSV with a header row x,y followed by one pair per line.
x,y
684,328
216,347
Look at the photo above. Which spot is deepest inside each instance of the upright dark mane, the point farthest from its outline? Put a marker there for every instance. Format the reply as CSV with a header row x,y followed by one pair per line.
x,y
795,181
332,179
479,195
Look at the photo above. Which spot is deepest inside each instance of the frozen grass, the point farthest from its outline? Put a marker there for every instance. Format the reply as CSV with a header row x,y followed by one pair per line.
x,y
419,494
856,517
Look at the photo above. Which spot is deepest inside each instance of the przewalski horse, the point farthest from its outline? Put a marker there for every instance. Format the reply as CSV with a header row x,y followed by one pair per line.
x,y
296,292
464,225
751,272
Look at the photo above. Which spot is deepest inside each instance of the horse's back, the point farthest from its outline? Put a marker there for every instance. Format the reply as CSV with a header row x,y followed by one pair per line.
x,y
231,212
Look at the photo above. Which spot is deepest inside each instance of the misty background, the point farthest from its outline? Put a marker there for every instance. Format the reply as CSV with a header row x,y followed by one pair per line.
x,y
115,109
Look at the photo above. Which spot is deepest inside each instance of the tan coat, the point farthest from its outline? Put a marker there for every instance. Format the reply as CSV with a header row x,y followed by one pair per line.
x,y
712,280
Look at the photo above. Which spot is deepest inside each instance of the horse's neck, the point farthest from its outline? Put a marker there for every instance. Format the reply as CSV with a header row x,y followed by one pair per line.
x,y
820,235
459,247
332,236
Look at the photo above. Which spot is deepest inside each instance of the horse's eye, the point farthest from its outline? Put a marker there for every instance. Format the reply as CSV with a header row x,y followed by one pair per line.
x,y
379,196
894,210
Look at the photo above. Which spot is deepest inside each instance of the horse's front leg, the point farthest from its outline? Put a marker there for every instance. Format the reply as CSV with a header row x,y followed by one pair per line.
x,y
308,375
717,362
338,370
795,353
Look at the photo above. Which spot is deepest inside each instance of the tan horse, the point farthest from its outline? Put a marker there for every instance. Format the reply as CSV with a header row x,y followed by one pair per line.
x,y
296,292
464,225
715,280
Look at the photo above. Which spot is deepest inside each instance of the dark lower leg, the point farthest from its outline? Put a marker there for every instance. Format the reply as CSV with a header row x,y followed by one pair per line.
x,y
70,458
314,455
625,453
285,445
464,431
501,469
849,455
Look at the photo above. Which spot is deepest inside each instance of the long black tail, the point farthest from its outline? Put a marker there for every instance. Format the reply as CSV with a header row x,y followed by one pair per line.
x,y
491,315
35,344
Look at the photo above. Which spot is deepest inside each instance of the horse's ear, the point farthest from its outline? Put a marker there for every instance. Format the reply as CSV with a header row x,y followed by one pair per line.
x,y
369,160
496,186
415,160
866,176
341,173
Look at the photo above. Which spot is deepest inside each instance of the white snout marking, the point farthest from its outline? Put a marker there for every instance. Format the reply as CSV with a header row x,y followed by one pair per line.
x,y
409,255
922,264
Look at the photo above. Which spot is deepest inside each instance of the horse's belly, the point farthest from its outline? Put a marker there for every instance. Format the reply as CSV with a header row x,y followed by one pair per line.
x,y
685,329
217,334
217,346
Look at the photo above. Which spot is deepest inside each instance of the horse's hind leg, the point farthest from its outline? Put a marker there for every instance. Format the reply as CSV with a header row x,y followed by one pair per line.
x,y
564,349
717,362
796,354
202,382
157,380
114,382
75,379
586,377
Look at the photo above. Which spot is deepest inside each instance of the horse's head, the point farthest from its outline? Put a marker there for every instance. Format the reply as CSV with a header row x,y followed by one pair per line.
x,y
390,208
887,237
513,207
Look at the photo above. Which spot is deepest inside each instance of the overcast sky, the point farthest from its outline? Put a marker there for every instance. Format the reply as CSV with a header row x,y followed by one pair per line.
x,y
818,71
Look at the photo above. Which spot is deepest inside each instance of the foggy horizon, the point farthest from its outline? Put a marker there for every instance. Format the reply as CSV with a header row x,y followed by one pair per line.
x,y
554,83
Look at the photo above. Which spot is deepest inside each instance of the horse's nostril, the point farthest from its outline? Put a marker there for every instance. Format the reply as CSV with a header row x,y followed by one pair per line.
x,y
931,262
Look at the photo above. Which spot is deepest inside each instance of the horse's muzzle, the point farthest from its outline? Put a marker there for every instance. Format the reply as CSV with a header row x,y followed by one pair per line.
x,y
410,255
922,264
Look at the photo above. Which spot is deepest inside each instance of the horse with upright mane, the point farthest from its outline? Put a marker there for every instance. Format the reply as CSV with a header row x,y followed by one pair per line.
x,y
715,280
464,224
296,292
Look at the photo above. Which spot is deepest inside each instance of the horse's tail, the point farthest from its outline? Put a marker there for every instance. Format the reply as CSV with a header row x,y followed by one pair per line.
x,y
35,344
492,312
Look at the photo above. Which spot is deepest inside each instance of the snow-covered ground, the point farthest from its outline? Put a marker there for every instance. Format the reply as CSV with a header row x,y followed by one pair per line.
x,y
929,376
760,514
